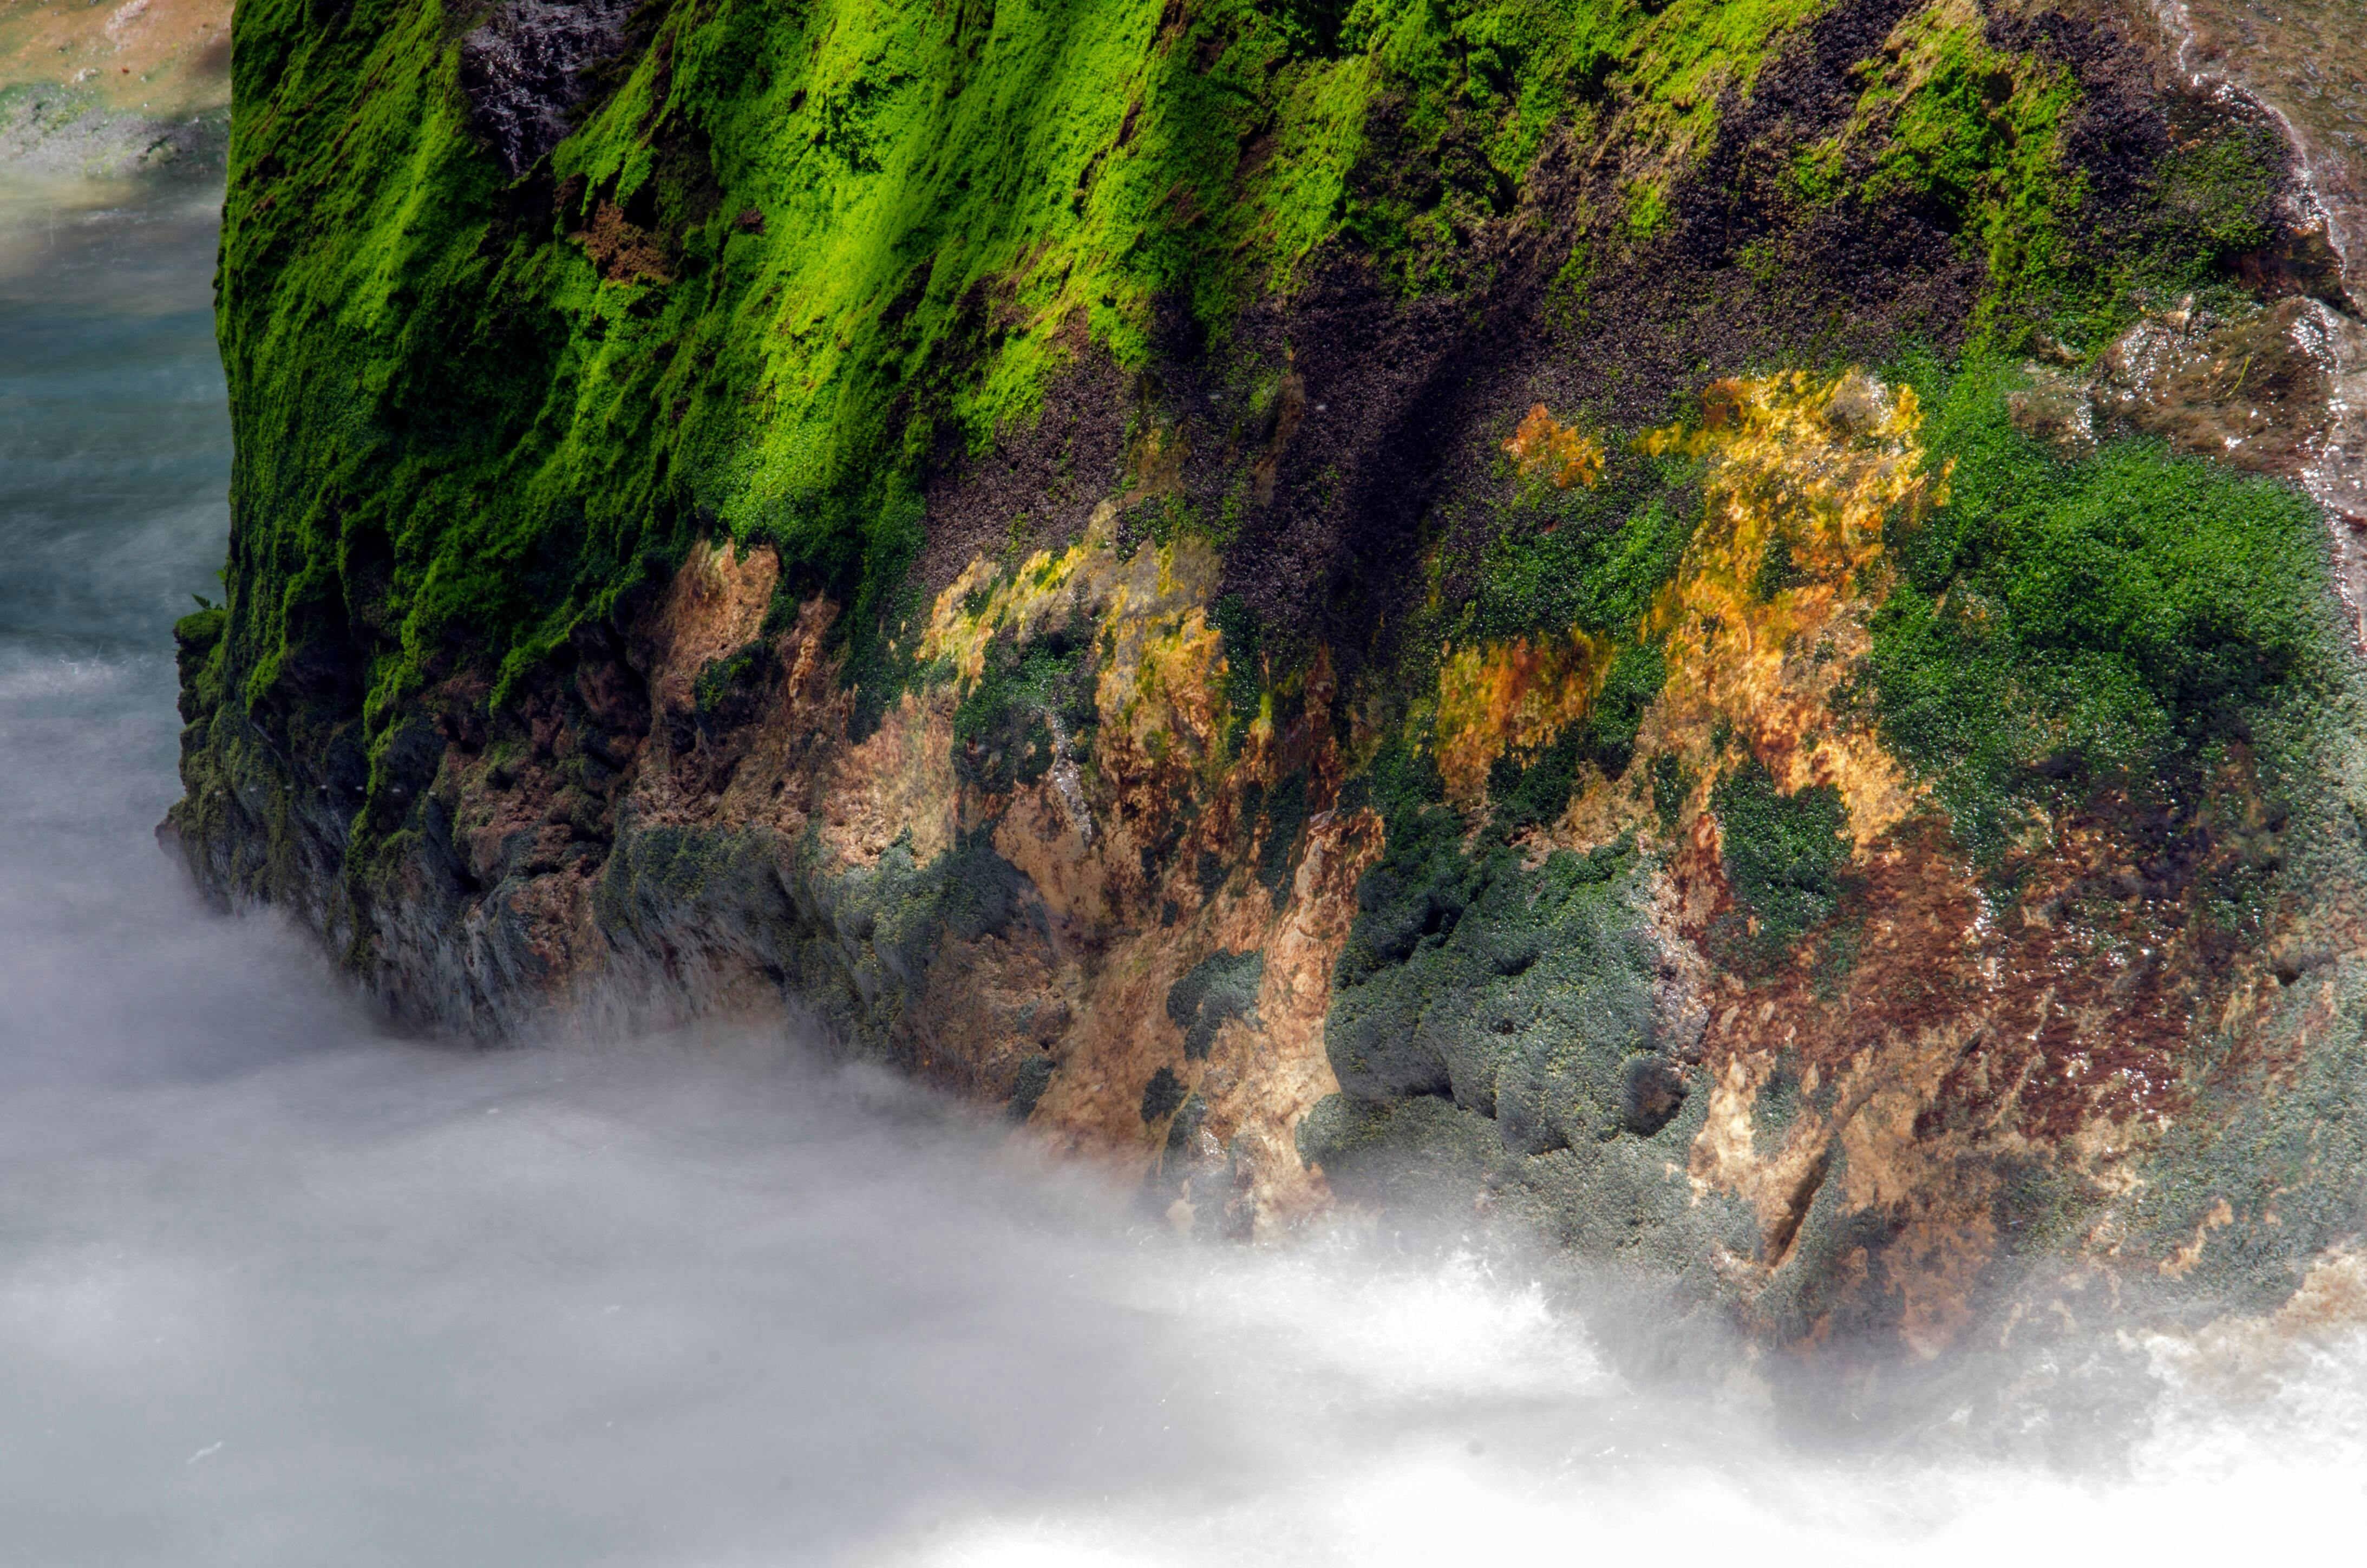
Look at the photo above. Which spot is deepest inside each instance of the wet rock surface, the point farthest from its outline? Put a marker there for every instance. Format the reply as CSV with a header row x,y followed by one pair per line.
x,y
2308,62
2255,393
523,70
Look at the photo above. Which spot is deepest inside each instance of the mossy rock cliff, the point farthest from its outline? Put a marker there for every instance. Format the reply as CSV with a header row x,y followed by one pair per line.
x,y
1696,624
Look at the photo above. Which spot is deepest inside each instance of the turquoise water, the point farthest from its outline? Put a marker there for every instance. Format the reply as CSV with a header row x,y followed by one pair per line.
x,y
276,1288
114,465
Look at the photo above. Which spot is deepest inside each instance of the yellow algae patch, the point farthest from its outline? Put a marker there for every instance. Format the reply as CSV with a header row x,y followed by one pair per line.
x,y
1766,614
1161,663
1544,447
1511,697
1768,608
974,607
1159,710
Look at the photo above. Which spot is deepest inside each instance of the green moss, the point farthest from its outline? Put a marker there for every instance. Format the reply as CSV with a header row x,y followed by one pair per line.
x,y
200,630
1590,558
857,235
1979,140
1672,785
1417,890
1401,782
1220,986
1285,819
1004,728
1520,993
726,691
1161,1096
1027,1089
1647,209
1453,104
1975,136
1689,53
850,237
2217,189
2061,626
1816,172
1785,856
1244,648
1634,679
791,262
1522,794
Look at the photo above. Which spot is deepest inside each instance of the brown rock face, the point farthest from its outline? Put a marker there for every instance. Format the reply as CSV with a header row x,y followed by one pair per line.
x,y
2256,393
1083,890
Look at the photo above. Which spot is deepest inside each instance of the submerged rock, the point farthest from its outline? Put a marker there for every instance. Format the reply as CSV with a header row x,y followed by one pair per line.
x,y
2256,392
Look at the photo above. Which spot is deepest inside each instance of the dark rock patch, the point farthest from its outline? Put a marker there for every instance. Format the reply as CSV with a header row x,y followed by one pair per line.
x,y
1162,1094
1651,1096
1221,986
522,70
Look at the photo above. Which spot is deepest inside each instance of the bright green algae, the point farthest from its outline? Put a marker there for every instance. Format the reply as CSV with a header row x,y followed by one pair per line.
x,y
878,225
791,264
2113,620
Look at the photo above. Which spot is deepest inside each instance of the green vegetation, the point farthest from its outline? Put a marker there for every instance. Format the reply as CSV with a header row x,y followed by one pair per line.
x,y
1585,558
1285,813
2061,626
1244,648
1689,53
1785,857
1975,135
1521,795
785,263
791,260
1161,1096
797,266
1003,729
727,690
1220,986
1520,994
1979,139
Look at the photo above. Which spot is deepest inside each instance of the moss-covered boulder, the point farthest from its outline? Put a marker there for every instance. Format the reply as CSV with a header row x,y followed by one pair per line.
x,y
1683,622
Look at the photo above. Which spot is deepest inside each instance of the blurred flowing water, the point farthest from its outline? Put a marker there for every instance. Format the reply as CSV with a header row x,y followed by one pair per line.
x,y
276,1290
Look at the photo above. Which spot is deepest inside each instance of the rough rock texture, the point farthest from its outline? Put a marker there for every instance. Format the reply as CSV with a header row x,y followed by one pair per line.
x,y
1704,628
522,70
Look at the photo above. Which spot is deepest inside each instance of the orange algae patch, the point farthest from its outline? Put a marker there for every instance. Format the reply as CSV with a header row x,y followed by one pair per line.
x,y
1766,615
1511,697
1544,447
1768,609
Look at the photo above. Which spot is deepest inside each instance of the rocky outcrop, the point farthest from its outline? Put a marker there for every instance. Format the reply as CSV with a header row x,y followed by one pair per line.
x,y
1710,641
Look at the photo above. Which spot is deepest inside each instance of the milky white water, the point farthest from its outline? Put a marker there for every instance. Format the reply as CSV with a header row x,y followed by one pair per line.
x,y
276,1288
